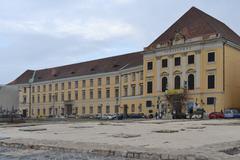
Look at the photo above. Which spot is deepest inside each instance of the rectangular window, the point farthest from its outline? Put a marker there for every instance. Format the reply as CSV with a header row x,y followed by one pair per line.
x,y
211,57
140,108
107,109
211,81
116,92
99,109
177,61
133,108
50,97
38,89
141,89
69,96
56,87
76,84
107,93
141,75
33,89
83,110
99,93
191,59
56,97
149,65
133,76
24,99
83,83
91,93
99,81
117,80
91,110
83,94
148,103
107,80
91,82
62,86
125,91
44,98
38,98
164,63
69,85
125,78
50,87
133,90
44,88
25,90
62,96
149,87
210,100
76,95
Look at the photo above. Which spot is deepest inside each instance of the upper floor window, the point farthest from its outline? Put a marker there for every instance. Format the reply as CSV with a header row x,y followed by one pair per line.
x,y
177,61
50,87
33,89
44,88
83,94
141,89
91,82
107,80
76,84
99,81
69,95
133,90
107,93
125,91
211,81
149,87
91,93
99,93
133,76
164,63
25,90
164,84
62,86
76,95
191,59
56,87
116,92
191,82
125,78
177,81
38,89
69,85
149,65
211,57
83,83
141,75
117,80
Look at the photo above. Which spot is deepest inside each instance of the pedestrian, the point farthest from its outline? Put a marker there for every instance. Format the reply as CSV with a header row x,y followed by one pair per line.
x,y
156,115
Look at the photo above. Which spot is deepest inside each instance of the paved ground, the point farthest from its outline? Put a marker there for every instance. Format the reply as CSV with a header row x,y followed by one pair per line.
x,y
207,137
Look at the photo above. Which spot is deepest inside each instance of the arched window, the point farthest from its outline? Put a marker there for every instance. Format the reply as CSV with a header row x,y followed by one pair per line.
x,y
191,82
164,84
177,82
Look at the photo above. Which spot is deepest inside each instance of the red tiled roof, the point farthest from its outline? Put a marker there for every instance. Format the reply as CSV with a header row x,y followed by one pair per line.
x,y
99,66
195,23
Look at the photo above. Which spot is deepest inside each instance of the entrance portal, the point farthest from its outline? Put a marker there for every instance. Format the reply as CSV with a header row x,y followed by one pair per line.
x,y
125,111
68,109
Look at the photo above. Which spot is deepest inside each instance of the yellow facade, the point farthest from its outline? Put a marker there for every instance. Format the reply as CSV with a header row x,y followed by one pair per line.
x,y
187,66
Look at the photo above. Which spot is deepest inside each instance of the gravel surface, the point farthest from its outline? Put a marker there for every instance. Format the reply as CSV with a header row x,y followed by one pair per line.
x,y
7,153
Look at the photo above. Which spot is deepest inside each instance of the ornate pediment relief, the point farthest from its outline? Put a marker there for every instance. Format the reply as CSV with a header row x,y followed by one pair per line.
x,y
191,70
179,38
164,74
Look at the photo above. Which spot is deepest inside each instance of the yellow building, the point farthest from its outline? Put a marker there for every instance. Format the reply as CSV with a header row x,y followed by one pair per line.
x,y
192,64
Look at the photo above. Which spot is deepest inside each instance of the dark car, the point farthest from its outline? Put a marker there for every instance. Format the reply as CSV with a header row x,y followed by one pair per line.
x,y
231,113
216,115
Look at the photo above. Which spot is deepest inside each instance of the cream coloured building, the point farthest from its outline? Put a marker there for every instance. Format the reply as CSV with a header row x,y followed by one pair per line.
x,y
193,63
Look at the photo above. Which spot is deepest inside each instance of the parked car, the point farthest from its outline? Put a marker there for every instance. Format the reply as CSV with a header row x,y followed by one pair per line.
x,y
216,115
231,113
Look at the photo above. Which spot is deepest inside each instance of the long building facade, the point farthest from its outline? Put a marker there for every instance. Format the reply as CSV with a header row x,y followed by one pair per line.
x,y
194,63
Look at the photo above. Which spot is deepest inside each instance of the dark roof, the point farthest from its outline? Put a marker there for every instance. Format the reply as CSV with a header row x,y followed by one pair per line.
x,y
104,65
195,23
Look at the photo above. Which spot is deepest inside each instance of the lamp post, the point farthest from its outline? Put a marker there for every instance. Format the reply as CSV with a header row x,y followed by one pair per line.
x,y
159,107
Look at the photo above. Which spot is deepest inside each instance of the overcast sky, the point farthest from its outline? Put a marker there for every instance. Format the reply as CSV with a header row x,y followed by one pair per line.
x,y
36,34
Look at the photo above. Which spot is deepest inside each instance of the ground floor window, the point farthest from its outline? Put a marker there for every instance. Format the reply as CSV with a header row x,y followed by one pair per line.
x,y
107,109
133,108
91,109
140,108
148,103
211,100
